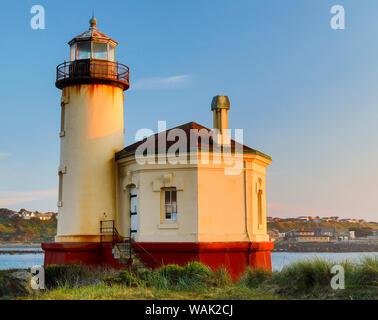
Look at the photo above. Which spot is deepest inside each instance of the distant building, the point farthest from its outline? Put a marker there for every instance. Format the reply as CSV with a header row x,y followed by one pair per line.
x,y
305,236
281,235
349,220
330,232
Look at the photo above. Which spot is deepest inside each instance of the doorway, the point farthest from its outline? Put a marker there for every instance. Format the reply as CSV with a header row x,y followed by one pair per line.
x,y
133,212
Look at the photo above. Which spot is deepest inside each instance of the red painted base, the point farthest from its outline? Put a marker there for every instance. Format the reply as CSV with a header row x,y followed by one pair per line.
x,y
235,256
91,254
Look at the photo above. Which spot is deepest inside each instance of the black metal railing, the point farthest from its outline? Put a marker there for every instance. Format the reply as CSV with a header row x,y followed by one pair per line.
x,y
107,228
124,247
90,68
154,262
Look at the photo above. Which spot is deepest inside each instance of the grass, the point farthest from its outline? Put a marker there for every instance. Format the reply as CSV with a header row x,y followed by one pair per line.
x,y
307,279
311,279
102,291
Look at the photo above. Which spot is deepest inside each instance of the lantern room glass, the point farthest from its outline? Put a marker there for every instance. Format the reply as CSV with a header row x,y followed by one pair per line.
x,y
111,53
92,50
73,52
100,50
83,50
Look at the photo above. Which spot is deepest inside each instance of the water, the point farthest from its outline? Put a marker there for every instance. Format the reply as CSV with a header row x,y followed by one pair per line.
x,y
20,261
279,259
21,249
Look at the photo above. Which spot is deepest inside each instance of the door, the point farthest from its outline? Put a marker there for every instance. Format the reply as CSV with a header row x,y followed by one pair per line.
x,y
133,212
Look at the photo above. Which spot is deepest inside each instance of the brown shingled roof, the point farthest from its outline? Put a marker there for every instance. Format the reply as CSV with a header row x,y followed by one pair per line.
x,y
200,137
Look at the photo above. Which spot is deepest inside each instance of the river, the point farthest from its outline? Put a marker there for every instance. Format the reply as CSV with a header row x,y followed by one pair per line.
x,y
279,259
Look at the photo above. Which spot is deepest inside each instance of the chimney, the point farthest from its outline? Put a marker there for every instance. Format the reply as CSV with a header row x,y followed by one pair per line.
x,y
220,106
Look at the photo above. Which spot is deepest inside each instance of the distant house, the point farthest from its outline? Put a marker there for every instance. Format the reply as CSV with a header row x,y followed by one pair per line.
x,y
281,235
330,232
305,236
38,215
312,239
349,220
273,234
44,216
303,218
296,233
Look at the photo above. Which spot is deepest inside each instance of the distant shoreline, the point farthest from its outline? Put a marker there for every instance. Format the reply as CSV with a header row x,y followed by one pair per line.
x,y
19,245
334,246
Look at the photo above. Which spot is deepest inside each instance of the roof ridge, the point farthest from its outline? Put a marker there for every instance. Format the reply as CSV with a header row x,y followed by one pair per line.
x,y
192,125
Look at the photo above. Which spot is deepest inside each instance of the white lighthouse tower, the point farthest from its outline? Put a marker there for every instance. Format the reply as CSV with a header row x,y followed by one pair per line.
x,y
92,130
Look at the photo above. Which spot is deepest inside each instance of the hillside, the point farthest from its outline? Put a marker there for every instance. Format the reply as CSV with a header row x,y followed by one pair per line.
x,y
15,228
361,229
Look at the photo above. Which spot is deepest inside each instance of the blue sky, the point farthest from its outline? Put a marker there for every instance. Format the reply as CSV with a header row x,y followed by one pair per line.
x,y
304,93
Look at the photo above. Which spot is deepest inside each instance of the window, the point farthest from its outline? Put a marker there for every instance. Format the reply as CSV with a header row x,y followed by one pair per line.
x,y
111,53
170,205
63,120
60,192
100,50
84,50
73,52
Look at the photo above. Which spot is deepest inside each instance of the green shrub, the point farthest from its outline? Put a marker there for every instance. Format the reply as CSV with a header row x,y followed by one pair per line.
x,y
221,278
174,277
124,277
172,272
73,275
361,280
198,273
59,275
254,278
144,275
367,272
306,278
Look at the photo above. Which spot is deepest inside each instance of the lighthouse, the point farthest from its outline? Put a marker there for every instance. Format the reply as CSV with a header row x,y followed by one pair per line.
x,y
118,211
91,131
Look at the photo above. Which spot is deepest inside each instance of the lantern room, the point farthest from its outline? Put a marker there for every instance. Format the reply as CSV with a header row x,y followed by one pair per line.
x,y
92,60
92,44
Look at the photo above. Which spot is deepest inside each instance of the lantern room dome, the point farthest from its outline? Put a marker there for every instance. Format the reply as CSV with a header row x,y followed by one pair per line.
x,y
93,34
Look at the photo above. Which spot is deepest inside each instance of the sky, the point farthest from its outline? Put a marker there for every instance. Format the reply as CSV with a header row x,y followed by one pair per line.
x,y
304,93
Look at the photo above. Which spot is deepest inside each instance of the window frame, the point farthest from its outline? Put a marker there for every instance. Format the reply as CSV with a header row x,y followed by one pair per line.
x,y
171,204
93,52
